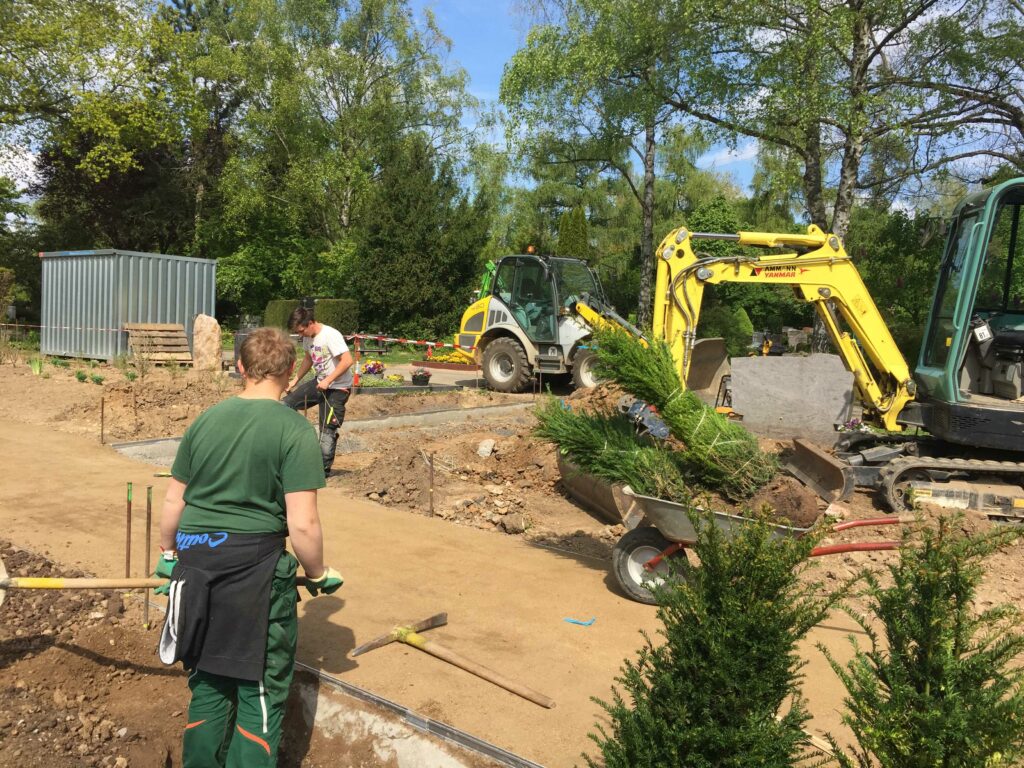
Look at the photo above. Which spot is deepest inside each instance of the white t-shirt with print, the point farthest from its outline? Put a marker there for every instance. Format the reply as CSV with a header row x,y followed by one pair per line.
x,y
324,348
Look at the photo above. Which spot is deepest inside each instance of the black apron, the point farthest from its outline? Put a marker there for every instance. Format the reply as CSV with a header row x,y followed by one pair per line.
x,y
219,603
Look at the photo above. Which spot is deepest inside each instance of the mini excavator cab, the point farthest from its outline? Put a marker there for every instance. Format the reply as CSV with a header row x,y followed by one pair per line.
x,y
969,370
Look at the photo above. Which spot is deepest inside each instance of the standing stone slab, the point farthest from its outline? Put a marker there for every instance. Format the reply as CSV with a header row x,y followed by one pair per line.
x,y
206,344
792,395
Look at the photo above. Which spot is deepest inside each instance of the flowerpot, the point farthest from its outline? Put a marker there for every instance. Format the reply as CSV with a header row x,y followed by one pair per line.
x,y
421,381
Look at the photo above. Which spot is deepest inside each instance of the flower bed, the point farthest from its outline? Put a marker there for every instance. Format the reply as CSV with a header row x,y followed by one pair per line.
x,y
447,366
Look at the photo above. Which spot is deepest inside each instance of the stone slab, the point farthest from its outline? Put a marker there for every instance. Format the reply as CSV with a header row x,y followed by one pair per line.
x,y
792,395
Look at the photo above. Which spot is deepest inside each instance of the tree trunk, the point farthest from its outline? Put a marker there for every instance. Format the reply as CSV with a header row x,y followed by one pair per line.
x,y
853,145
643,316
814,191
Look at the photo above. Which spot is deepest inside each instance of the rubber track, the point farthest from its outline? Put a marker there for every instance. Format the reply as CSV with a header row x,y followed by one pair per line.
x,y
896,469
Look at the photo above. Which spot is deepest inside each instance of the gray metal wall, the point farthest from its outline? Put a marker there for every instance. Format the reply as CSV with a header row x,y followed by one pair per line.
x,y
88,296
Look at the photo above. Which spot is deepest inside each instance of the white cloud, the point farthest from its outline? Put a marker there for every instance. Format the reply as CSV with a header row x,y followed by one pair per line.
x,y
19,164
727,156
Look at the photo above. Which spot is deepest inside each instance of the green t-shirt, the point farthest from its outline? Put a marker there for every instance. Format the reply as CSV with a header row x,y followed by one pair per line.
x,y
238,459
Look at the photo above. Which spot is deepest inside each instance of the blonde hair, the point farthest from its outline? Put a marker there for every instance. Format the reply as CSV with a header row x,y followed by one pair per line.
x,y
267,352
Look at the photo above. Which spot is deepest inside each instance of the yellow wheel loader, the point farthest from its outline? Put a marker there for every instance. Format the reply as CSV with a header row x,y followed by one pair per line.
x,y
535,315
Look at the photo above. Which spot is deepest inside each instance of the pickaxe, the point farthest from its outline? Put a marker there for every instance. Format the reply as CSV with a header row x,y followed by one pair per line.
x,y
410,636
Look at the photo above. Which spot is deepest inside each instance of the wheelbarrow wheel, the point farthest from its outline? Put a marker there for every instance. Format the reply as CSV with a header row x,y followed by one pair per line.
x,y
634,549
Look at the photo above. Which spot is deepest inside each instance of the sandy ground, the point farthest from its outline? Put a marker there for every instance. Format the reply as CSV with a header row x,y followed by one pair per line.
x,y
506,595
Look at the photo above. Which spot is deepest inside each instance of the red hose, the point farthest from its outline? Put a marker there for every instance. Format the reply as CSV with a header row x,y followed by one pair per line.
x,y
857,546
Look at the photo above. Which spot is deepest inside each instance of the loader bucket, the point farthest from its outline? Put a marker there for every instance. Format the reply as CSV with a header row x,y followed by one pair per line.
x,y
822,473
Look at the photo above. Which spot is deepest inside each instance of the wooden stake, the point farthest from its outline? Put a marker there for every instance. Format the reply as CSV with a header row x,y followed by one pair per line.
x,y
149,531
430,469
128,537
102,419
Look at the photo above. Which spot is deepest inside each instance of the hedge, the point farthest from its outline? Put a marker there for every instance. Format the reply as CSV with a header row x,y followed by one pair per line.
x,y
277,312
342,314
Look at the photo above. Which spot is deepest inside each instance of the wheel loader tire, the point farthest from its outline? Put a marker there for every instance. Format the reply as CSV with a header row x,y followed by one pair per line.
x,y
583,376
634,549
506,368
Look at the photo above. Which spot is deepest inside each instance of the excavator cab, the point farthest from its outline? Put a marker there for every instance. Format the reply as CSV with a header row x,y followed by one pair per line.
x,y
969,370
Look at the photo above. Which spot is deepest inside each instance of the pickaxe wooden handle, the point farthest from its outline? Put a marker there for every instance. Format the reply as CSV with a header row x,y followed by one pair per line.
x,y
410,636
42,582
58,582
417,640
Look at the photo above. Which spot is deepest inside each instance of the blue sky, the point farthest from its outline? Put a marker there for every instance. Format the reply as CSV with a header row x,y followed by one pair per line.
x,y
485,34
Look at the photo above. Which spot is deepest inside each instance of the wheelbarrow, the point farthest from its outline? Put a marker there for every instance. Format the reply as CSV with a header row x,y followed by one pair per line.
x,y
640,559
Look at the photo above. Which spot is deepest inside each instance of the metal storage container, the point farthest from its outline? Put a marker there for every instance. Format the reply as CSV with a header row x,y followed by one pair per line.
x,y
88,296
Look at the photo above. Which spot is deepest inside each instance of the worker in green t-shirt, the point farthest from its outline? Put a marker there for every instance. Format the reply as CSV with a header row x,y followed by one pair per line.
x,y
245,477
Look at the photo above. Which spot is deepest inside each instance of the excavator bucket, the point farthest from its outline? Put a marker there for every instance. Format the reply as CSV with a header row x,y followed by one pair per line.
x,y
708,363
822,473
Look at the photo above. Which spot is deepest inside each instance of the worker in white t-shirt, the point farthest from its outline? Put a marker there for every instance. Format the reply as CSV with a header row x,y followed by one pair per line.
x,y
328,355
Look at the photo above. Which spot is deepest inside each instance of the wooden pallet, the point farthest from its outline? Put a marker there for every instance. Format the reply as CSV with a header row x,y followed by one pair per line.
x,y
159,342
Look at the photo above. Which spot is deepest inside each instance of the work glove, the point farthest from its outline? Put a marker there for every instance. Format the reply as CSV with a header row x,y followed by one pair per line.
x,y
164,568
328,582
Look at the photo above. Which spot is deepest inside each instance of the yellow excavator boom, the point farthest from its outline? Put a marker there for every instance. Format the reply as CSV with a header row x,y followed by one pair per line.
x,y
821,273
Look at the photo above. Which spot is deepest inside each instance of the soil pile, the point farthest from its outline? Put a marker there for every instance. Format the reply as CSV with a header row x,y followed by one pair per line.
x,y
81,685
78,685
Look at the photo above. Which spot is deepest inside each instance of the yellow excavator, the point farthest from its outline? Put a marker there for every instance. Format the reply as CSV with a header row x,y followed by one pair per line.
x,y
951,432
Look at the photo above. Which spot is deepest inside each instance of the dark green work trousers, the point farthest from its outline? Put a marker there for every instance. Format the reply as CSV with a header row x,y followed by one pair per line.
x,y
237,723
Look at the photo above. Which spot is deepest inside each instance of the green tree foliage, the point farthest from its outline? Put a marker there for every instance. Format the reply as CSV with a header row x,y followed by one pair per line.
x,y
941,683
766,306
898,257
332,85
573,237
18,247
732,324
838,89
420,249
721,685
79,211
579,86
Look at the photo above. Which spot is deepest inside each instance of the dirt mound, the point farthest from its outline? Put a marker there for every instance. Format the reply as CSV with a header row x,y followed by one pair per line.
x,y
494,477
81,685
604,398
77,688
791,500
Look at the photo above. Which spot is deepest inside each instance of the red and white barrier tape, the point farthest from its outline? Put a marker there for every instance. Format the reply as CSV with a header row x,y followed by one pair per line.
x,y
363,336
396,340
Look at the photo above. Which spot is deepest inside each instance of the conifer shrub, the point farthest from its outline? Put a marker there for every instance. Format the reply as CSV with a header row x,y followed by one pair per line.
x,y
607,447
721,686
721,453
942,682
